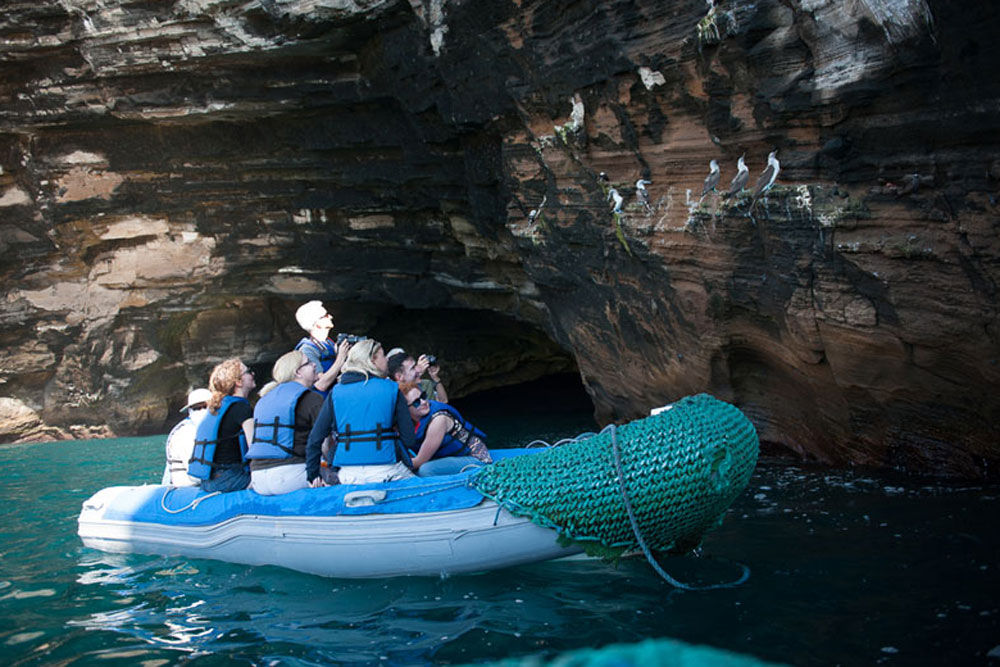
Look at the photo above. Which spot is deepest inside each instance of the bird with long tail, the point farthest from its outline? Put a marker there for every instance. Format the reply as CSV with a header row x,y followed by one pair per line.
x,y
767,178
642,194
535,212
740,179
911,187
616,200
712,179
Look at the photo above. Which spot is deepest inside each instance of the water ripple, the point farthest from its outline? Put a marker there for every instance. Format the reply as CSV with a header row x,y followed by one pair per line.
x,y
846,565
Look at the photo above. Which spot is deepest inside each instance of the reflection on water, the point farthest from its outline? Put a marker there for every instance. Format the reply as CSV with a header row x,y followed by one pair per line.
x,y
846,567
206,607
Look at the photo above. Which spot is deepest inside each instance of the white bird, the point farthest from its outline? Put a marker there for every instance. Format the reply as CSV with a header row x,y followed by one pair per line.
x,y
767,177
712,179
641,193
613,196
911,187
535,211
740,179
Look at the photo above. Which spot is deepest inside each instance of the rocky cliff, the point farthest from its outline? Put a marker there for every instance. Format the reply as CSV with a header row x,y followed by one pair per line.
x,y
177,176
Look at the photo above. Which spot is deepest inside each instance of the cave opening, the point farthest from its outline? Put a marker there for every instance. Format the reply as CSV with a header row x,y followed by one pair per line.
x,y
506,375
548,408
477,349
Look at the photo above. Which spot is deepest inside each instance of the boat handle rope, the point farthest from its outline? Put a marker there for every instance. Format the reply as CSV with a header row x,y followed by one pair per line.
x,y
642,543
190,506
194,503
426,492
583,436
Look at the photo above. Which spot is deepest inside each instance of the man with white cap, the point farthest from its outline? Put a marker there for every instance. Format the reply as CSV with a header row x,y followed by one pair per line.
x,y
180,442
318,347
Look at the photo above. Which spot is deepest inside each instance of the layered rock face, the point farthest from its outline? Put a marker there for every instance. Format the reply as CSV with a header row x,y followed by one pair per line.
x,y
178,176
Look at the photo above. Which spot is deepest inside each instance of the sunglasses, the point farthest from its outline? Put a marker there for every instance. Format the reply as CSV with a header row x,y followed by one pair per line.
x,y
418,400
308,363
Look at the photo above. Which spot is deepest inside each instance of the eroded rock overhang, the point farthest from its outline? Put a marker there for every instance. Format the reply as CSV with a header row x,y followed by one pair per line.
x,y
176,176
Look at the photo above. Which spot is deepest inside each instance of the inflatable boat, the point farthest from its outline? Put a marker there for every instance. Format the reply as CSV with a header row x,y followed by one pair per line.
x,y
424,526
655,484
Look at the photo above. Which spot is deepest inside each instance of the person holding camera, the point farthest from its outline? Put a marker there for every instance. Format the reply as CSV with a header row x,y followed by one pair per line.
x,y
328,356
432,385
403,368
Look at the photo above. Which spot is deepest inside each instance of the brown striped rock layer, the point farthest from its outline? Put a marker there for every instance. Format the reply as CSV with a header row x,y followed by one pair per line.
x,y
175,177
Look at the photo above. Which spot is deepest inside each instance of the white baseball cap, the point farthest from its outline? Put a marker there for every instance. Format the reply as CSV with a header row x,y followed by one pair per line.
x,y
309,314
197,396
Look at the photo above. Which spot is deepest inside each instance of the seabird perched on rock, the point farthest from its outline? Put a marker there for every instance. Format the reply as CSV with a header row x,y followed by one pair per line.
x,y
767,177
613,196
535,211
740,179
911,187
641,193
712,179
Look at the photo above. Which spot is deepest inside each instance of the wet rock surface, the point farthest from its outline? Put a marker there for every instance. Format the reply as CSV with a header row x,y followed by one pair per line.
x,y
178,177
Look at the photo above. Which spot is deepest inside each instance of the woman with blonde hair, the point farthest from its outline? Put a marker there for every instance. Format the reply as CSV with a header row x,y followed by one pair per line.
x,y
220,445
368,420
283,419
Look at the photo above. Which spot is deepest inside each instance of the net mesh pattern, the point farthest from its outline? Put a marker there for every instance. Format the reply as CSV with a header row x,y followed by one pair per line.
x,y
681,470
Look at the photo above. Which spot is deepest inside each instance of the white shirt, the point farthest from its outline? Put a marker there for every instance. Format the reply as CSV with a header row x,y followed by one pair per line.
x,y
180,446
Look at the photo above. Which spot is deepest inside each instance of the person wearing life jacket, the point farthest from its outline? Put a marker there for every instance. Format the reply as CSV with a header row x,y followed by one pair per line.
x,y
282,420
404,368
180,442
446,443
327,355
218,459
367,419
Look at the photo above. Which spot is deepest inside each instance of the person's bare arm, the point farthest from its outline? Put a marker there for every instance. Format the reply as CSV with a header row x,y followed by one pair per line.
x,y
432,440
248,430
441,394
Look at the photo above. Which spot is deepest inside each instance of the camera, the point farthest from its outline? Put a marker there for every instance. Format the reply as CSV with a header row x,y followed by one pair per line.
x,y
350,338
431,359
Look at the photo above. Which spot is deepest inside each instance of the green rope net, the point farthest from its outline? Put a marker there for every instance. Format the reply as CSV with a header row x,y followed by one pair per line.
x,y
680,469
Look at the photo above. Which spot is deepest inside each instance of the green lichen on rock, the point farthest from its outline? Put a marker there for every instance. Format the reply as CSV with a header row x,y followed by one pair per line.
x,y
170,334
715,26
621,234
562,132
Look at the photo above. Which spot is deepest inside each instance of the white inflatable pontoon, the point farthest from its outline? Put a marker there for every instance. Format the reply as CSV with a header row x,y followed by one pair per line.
x,y
424,526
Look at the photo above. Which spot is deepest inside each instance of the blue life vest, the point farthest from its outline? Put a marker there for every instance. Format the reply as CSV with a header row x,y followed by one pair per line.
x,y
274,422
450,445
327,351
365,414
207,439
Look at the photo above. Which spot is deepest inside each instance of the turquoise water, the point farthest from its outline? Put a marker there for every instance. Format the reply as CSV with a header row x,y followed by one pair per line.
x,y
847,567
